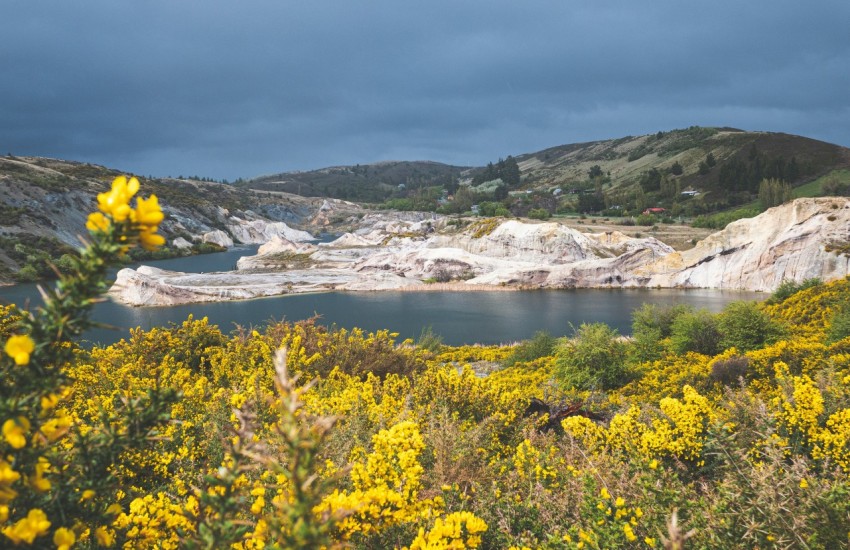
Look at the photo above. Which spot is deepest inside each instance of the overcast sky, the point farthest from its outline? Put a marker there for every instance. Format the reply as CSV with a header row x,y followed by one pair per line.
x,y
228,89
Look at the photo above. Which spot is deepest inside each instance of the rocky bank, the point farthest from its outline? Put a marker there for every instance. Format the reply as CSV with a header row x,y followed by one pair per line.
x,y
796,241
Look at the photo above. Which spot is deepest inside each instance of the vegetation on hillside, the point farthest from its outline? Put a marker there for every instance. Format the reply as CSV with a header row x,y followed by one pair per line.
x,y
711,431
690,172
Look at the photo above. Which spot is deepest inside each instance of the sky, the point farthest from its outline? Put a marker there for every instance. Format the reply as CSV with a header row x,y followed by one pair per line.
x,y
226,89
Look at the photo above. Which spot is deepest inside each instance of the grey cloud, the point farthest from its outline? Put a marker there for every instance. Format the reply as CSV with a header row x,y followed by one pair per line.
x,y
229,89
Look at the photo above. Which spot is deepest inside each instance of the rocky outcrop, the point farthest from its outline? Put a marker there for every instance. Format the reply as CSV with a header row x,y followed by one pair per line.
x,y
795,241
262,231
218,237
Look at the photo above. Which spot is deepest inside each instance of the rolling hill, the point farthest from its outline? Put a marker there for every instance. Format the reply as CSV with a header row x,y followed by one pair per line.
x,y
723,166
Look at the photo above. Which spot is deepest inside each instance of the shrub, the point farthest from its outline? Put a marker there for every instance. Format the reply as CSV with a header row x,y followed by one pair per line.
x,y
729,371
595,358
539,214
788,287
651,323
839,326
695,331
646,219
746,327
542,344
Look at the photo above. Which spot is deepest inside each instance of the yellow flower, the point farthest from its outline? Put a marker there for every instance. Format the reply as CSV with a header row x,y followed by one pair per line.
x,y
14,431
64,538
37,481
148,212
19,348
604,493
28,528
630,535
620,502
649,541
87,494
97,222
803,483
4,513
115,202
49,401
104,536
149,239
7,474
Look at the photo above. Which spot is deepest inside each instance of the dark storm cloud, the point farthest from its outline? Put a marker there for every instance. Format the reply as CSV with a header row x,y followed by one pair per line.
x,y
229,89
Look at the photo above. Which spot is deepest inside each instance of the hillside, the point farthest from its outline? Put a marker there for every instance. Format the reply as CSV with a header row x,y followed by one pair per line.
x,y
717,167
44,204
364,183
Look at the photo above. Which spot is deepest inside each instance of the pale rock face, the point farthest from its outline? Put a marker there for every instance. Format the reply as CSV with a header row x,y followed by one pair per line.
x,y
785,243
264,259
181,243
218,237
262,231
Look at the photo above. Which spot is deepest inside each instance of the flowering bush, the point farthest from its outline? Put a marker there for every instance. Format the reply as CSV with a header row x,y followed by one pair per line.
x,y
190,438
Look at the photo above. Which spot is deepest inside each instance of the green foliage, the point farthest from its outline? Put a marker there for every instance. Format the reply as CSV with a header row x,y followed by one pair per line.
x,y
429,340
542,344
745,326
676,169
506,170
696,331
650,181
773,192
595,358
788,288
37,256
539,214
651,324
646,219
839,326
722,219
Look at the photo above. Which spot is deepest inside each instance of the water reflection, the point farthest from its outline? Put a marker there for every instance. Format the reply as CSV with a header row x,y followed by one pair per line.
x,y
459,317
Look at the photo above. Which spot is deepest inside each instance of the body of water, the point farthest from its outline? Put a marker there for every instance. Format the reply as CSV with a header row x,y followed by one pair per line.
x,y
459,317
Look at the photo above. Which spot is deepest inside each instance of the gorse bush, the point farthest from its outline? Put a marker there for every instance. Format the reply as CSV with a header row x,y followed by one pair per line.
x,y
542,344
594,359
295,435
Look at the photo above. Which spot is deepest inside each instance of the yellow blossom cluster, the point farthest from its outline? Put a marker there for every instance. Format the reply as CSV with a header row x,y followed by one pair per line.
x,y
114,206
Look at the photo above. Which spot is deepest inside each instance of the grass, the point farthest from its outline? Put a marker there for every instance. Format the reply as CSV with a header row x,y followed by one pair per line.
x,y
815,188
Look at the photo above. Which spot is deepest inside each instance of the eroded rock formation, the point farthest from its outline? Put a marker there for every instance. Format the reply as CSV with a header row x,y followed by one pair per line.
x,y
795,241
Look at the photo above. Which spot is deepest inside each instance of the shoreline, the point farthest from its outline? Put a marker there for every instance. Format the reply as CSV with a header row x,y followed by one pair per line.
x,y
454,287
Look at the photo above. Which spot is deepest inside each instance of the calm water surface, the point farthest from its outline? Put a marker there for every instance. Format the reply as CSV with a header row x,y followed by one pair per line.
x,y
459,317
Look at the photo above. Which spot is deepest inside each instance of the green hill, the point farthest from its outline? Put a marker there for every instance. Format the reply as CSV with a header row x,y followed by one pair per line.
x,y
363,183
696,170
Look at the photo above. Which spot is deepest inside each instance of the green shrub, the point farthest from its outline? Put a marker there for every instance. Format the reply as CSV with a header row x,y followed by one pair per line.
x,y
787,288
696,331
651,323
542,344
594,359
839,327
746,327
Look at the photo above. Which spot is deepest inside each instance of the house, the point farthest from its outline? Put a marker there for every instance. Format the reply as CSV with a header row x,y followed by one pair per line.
x,y
654,210
690,193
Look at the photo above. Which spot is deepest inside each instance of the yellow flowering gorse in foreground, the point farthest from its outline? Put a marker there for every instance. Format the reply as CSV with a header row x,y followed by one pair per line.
x,y
187,437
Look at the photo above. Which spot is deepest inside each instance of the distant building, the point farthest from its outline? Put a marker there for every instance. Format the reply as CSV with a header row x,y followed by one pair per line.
x,y
690,193
654,210
475,209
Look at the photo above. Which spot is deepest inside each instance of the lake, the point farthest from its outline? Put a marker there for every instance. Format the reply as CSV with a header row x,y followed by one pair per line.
x,y
459,317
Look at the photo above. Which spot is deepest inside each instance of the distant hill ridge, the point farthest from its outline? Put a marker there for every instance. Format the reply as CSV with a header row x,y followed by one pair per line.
x,y
726,164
